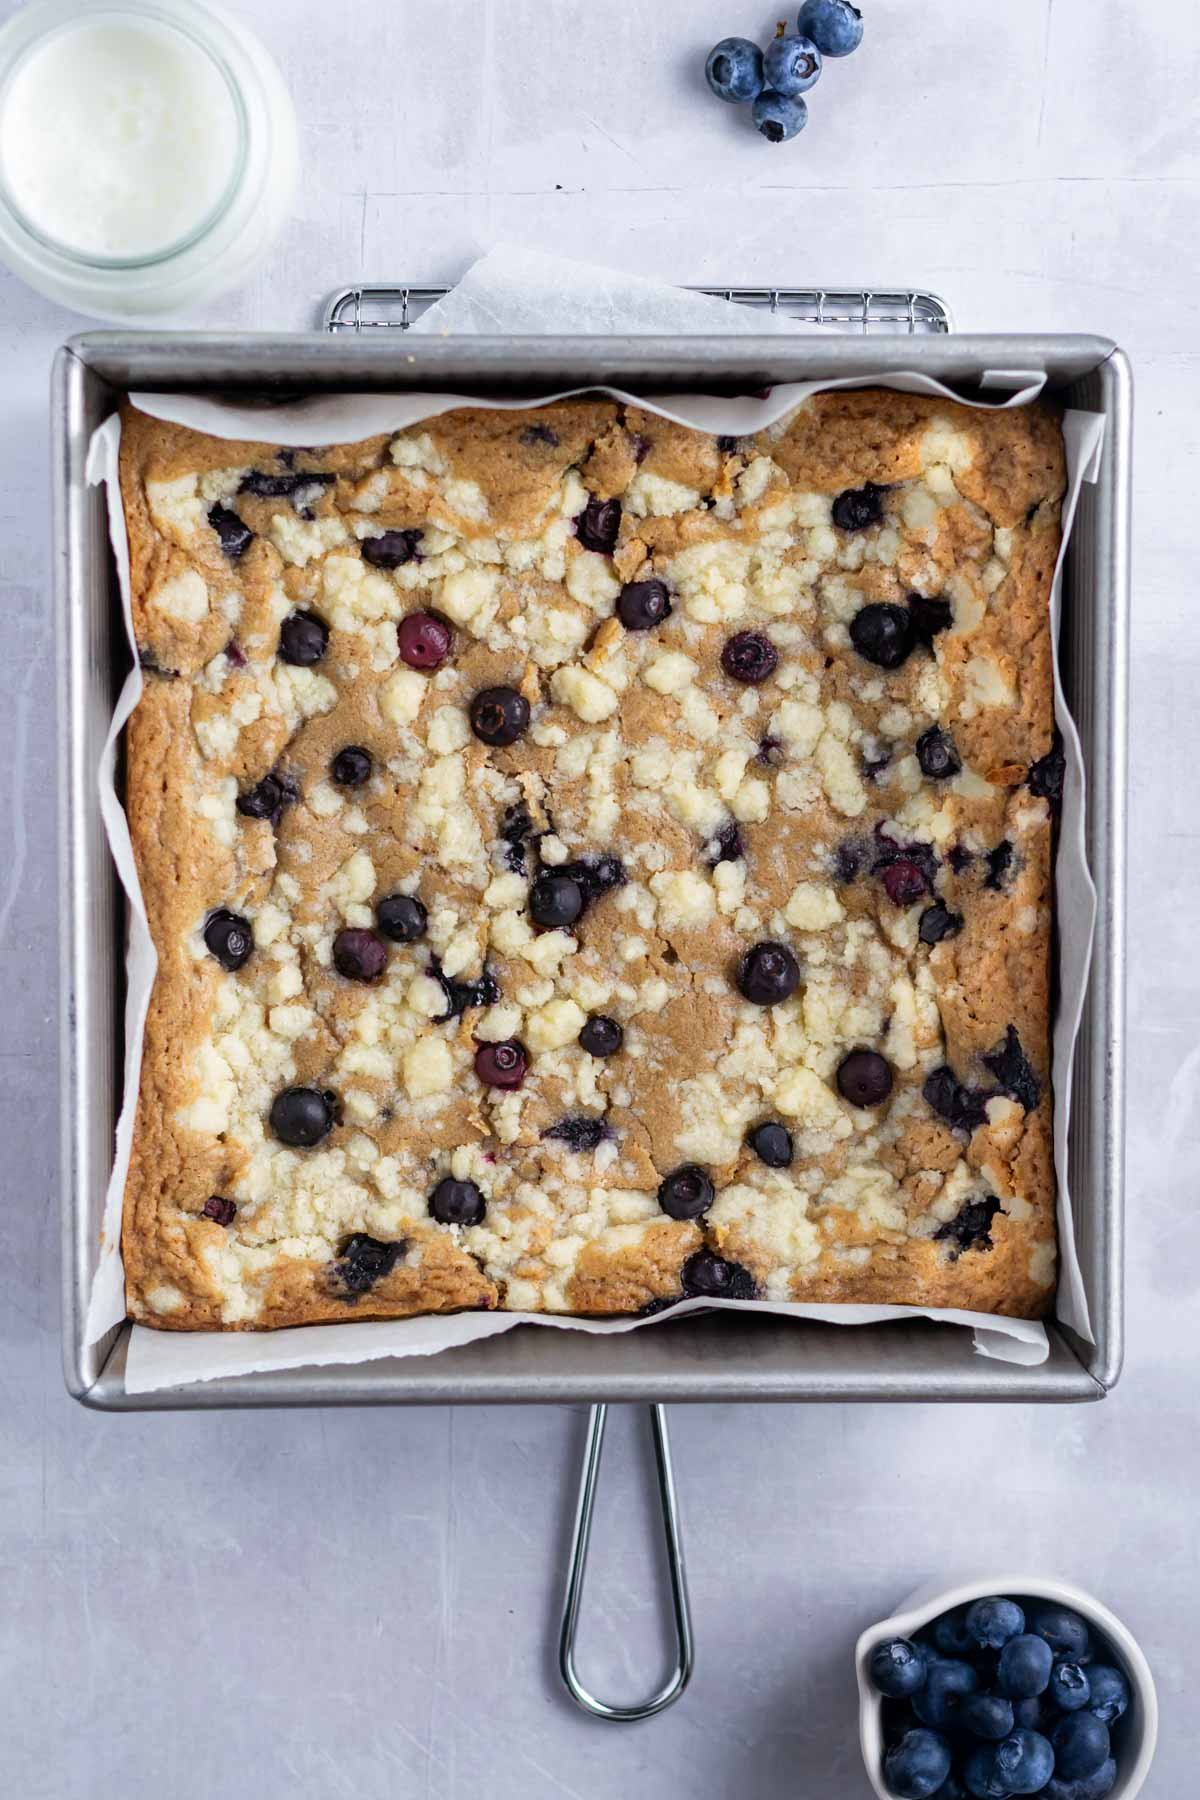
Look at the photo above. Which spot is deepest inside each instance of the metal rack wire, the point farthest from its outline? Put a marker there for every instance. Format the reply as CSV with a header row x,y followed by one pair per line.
x,y
899,312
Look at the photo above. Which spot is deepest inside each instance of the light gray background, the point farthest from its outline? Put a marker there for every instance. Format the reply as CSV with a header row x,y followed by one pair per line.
x,y
310,1605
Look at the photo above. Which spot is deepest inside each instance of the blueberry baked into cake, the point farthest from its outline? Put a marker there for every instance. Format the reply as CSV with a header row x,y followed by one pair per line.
x,y
593,863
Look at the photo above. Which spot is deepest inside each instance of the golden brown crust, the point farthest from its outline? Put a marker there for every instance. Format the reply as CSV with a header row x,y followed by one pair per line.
x,y
633,749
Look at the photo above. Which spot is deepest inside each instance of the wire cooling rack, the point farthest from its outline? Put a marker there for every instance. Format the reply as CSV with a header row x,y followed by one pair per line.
x,y
896,312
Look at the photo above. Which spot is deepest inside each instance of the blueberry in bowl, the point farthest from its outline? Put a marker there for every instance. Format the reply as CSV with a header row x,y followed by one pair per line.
x,y
1011,1686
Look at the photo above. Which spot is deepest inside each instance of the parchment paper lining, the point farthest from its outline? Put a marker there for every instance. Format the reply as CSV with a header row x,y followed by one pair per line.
x,y
167,1359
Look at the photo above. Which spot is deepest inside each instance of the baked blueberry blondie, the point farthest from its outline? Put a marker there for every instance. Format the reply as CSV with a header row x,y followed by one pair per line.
x,y
593,863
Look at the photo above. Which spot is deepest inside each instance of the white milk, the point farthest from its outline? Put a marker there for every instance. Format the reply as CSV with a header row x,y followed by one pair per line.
x,y
119,138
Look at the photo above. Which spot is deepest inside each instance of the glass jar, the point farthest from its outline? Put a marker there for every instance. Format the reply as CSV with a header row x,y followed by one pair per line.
x,y
148,154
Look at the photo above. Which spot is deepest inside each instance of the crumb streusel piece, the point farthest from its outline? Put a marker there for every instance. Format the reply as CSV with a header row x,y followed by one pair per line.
x,y
592,862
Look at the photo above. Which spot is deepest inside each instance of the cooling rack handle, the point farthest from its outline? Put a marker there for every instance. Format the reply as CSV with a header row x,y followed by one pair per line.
x,y
580,1542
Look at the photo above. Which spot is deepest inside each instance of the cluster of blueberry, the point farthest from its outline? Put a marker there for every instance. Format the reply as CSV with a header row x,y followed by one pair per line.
x,y
988,1704
775,80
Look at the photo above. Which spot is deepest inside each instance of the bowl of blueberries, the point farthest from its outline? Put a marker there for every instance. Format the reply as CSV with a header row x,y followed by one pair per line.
x,y
1005,1687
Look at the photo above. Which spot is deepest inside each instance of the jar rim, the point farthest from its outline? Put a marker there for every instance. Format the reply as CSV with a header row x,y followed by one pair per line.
x,y
189,26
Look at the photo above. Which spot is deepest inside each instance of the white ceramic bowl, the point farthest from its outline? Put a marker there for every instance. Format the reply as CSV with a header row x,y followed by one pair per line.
x,y
1135,1736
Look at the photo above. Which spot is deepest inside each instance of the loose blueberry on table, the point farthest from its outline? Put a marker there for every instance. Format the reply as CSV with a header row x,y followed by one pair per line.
x,y
995,1700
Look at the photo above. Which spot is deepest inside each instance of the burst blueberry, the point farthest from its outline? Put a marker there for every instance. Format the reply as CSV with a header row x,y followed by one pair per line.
x,y
857,508
936,754
709,1276
391,549
970,1228
234,534
220,1210
734,70
598,526
363,1260
938,922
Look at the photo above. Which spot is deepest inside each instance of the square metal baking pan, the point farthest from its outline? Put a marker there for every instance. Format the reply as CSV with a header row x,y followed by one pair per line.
x,y
714,1357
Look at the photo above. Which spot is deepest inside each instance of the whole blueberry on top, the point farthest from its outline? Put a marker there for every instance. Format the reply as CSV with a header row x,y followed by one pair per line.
x,y
457,1202
882,634
392,548
1081,1745
598,524
302,1116
986,1716
749,657
351,766
641,605
864,1078
835,26
768,973
992,1622
1065,1632
229,938
1069,1686
709,1276
779,117
499,716
772,1144
936,754
947,1683
424,640
601,1036
1109,1695
402,918
358,954
268,797
303,639
916,1767
734,70
897,1668
686,1192
1024,1667
555,899
502,1065
856,508
791,64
